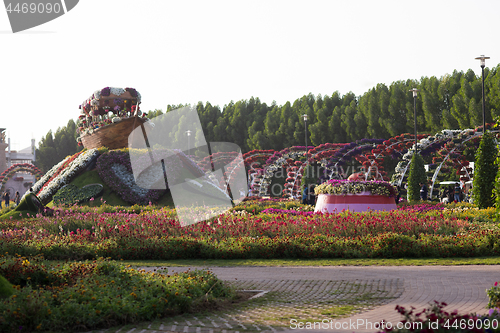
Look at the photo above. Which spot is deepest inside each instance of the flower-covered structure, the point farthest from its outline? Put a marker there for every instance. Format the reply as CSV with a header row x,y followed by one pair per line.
x,y
62,173
358,196
16,168
108,117
446,146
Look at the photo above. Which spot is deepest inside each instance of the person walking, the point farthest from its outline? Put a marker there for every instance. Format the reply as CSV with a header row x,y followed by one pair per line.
x,y
6,198
17,198
458,191
305,195
398,194
311,196
423,192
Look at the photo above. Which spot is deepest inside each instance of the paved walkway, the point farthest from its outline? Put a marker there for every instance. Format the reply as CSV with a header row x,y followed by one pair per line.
x,y
309,295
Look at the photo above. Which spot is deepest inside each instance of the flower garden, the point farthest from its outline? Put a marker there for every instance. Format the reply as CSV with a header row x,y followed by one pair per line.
x,y
90,206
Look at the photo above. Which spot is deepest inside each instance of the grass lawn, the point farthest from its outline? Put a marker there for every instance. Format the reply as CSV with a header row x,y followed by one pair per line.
x,y
317,262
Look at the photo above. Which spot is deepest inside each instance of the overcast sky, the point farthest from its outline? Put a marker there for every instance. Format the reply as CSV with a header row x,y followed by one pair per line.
x,y
188,51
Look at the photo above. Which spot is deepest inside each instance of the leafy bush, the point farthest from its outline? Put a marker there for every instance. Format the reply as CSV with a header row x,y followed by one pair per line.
x,y
85,296
435,319
6,289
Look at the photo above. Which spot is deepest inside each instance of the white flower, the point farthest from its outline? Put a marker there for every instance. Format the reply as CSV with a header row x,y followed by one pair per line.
x,y
117,91
128,179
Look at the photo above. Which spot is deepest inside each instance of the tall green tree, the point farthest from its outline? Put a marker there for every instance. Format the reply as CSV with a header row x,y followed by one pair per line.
x,y
416,177
485,171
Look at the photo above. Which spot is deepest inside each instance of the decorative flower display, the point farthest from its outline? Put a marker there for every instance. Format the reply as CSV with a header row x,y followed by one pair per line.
x,y
70,194
444,141
343,187
122,102
15,168
115,170
65,174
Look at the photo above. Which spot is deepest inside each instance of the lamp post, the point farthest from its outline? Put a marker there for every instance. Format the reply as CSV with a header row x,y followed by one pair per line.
x,y
188,132
482,59
414,90
305,127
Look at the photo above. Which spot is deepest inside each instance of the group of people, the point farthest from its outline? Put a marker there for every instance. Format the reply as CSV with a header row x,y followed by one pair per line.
x,y
308,195
6,198
447,194
452,194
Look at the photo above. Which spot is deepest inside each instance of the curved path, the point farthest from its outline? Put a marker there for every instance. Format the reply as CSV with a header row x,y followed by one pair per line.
x,y
309,291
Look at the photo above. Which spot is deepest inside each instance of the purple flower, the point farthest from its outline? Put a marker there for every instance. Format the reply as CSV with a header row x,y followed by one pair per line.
x,y
105,91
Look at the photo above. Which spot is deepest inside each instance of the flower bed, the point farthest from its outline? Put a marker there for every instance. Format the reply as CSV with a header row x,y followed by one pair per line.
x,y
73,297
157,234
357,196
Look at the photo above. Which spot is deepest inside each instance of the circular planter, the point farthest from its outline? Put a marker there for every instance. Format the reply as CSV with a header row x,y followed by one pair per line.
x,y
362,202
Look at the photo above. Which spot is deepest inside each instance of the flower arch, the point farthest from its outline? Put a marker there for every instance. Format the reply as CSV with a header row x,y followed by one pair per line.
x,y
20,167
449,145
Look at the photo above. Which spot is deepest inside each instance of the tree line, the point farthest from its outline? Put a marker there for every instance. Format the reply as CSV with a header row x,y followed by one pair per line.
x,y
453,101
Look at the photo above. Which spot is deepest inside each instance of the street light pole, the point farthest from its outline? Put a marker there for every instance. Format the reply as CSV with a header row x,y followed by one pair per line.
x,y
188,132
305,126
482,58
414,90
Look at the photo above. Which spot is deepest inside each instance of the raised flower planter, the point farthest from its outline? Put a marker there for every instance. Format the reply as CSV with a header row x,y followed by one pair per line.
x,y
355,196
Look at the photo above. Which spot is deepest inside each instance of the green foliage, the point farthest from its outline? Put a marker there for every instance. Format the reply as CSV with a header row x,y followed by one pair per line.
x,y
71,296
416,177
494,296
6,288
55,147
449,102
485,171
309,177
71,194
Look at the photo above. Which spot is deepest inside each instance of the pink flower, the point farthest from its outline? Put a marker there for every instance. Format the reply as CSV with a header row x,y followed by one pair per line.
x,y
496,283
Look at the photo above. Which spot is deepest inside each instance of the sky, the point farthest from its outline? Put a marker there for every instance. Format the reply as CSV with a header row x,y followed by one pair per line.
x,y
179,52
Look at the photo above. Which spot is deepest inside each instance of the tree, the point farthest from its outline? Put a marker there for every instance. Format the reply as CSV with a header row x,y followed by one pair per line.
x,y
416,177
485,171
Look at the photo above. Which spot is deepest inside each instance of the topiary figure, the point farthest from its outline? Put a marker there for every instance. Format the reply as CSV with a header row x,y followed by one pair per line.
x,y
485,170
6,289
416,177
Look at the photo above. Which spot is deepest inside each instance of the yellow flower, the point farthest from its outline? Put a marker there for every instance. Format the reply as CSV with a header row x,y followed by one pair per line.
x,y
49,311
97,311
39,326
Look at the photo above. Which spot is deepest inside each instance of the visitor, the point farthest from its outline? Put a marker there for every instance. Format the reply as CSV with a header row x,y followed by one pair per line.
x,y
305,194
311,196
443,195
398,194
6,198
457,191
451,194
17,198
423,192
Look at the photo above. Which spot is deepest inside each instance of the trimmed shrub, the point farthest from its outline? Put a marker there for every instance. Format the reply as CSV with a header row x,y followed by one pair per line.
x,y
485,171
417,176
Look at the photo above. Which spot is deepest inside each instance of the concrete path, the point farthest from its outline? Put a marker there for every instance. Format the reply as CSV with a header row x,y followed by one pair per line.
x,y
306,296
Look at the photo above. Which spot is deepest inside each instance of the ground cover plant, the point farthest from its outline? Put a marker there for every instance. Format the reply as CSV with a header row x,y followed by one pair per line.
x,y
78,296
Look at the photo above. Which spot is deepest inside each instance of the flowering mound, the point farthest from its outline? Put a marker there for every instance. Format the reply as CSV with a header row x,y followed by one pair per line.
x,y
343,187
